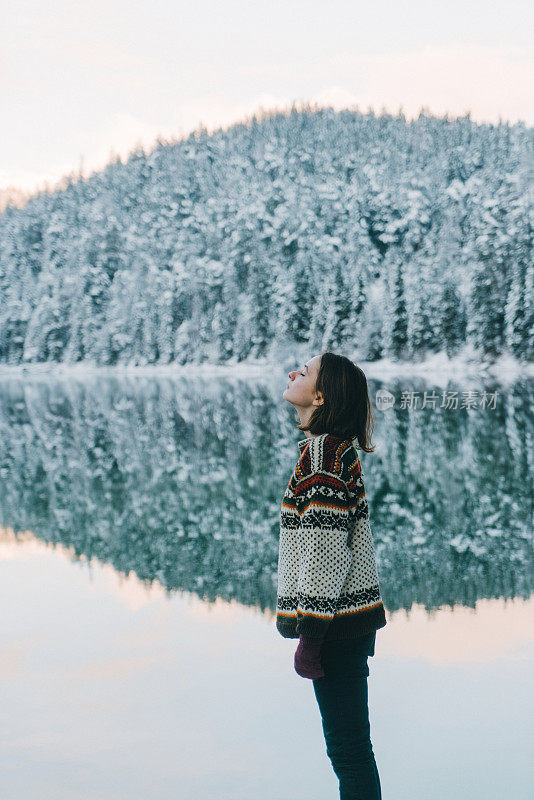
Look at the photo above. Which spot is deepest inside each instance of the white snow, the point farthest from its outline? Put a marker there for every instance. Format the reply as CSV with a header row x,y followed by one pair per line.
x,y
437,370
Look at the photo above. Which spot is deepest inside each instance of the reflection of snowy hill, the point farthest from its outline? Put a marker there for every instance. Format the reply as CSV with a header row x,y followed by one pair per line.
x,y
160,478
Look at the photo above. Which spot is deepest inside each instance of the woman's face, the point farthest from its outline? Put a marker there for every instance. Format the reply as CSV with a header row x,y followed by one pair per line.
x,y
300,390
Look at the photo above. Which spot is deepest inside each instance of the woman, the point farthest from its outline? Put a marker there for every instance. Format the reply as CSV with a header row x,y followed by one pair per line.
x,y
328,589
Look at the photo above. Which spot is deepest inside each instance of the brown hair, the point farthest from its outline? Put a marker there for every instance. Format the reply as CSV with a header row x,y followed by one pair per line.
x,y
346,411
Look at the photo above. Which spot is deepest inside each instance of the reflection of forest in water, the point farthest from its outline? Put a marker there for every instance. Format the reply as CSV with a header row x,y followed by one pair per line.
x,y
181,481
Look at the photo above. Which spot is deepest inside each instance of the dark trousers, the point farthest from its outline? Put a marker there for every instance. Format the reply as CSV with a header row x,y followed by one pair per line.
x,y
342,697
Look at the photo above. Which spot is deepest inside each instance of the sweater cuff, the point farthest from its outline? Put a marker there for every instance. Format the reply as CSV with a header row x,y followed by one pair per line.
x,y
312,627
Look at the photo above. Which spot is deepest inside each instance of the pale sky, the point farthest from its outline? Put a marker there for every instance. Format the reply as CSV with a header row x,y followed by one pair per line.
x,y
81,80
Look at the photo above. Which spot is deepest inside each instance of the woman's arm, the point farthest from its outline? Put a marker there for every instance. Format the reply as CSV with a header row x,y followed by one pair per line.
x,y
324,552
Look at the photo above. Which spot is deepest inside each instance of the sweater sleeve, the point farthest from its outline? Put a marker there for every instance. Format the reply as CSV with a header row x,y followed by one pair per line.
x,y
324,552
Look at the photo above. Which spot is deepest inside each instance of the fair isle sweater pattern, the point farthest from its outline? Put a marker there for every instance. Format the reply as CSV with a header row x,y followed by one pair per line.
x,y
328,584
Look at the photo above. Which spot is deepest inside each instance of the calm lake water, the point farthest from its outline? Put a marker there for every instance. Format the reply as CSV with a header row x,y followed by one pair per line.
x,y
138,554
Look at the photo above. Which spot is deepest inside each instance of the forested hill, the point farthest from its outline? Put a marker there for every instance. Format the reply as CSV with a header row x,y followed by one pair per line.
x,y
341,229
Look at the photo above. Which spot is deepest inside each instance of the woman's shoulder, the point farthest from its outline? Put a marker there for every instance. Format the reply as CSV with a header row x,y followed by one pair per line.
x,y
326,453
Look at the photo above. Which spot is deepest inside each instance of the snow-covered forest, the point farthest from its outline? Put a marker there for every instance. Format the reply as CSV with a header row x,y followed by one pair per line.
x,y
389,237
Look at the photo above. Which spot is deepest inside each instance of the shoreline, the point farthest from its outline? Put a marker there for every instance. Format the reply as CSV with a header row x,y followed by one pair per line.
x,y
437,369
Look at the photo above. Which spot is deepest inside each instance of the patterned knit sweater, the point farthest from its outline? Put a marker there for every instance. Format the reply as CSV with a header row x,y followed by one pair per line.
x,y
327,576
